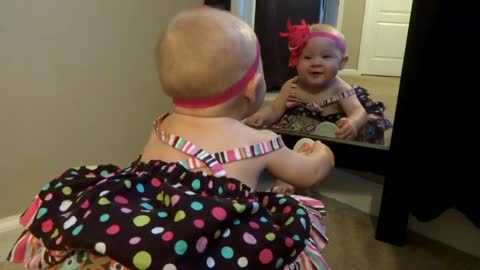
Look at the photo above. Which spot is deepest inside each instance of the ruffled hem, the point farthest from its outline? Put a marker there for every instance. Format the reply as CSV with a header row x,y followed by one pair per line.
x,y
192,218
30,251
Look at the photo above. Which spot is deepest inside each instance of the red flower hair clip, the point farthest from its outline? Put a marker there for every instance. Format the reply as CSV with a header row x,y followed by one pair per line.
x,y
298,36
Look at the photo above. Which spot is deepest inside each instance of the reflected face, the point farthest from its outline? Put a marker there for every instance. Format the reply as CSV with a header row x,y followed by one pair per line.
x,y
319,62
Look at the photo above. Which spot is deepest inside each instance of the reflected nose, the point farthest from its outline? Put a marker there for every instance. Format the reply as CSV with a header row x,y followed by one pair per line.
x,y
316,62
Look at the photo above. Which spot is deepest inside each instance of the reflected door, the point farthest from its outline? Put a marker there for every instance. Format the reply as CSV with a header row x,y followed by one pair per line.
x,y
384,36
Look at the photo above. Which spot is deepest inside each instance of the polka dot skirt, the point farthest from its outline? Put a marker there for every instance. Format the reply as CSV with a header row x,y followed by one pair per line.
x,y
161,216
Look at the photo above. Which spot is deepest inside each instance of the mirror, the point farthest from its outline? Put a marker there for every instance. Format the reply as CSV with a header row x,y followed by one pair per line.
x,y
375,33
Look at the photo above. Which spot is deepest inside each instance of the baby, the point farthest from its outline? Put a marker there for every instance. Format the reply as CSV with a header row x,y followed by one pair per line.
x,y
317,98
189,201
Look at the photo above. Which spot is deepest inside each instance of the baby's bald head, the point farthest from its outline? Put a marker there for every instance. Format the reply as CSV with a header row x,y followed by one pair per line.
x,y
203,52
328,29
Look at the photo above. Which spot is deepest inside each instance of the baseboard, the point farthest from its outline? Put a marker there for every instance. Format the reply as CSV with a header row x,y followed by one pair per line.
x,y
9,224
349,72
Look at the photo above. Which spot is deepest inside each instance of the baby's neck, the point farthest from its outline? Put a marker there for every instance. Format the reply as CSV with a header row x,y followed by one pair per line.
x,y
236,108
206,114
199,120
183,124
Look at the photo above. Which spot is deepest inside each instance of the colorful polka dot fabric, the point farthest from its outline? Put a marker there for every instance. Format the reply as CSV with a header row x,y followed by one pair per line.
x,y
157,215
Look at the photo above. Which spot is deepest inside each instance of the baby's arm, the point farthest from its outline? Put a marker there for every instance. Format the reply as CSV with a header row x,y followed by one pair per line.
x,y
301,170
356,118
304,147
271,113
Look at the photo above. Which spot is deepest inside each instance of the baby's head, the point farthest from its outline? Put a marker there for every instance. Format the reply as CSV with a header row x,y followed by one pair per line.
x,y
317,52
300,35
208,59
329,32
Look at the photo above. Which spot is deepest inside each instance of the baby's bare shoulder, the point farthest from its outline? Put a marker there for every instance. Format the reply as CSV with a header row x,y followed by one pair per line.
x,y
261,135
342,85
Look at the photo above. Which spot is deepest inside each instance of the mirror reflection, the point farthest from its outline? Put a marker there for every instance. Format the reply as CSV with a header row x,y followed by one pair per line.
x,y
321,85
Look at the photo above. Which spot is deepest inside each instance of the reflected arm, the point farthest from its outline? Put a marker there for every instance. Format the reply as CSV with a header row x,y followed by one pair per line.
x,y
271,113
356,117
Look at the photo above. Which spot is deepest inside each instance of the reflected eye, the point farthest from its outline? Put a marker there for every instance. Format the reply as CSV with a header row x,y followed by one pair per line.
x,y
307,57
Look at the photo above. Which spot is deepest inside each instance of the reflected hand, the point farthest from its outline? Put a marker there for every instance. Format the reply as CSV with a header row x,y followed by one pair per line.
x,y
347,129
255,120
283,187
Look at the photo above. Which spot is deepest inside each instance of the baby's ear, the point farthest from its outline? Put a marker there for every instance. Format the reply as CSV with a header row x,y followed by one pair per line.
x,y
251,89
344,61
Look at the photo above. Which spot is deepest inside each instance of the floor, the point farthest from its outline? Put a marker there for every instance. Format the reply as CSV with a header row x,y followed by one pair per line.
x,y
7,239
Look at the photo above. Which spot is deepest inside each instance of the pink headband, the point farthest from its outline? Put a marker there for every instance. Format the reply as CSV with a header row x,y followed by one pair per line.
x,y
338,42
298,35
232,91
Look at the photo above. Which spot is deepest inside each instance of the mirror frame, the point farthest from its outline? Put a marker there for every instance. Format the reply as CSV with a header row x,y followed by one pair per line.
x,y
226,4
402,184
351,155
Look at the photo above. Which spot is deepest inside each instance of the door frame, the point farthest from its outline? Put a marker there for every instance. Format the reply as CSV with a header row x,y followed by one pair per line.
x,y
361,53
244,9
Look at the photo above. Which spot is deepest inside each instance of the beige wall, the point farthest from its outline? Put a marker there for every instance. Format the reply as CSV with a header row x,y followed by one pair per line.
x,y
352,29
77,86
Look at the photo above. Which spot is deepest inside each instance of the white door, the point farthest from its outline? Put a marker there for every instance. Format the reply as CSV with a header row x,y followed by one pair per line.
x,y
384,34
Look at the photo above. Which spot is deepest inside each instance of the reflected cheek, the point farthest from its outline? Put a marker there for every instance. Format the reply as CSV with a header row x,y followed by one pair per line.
x,y
301,70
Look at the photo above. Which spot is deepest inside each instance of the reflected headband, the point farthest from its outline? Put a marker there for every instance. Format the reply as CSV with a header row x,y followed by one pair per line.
x,y
338,42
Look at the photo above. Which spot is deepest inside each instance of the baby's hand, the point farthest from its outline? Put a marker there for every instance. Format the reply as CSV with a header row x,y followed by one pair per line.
x,y
283,187
255,120
347,129
304,146
307,146
319,147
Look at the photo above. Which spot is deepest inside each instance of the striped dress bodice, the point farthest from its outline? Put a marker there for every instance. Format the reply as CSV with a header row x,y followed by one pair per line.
x,y
201,158
293,100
